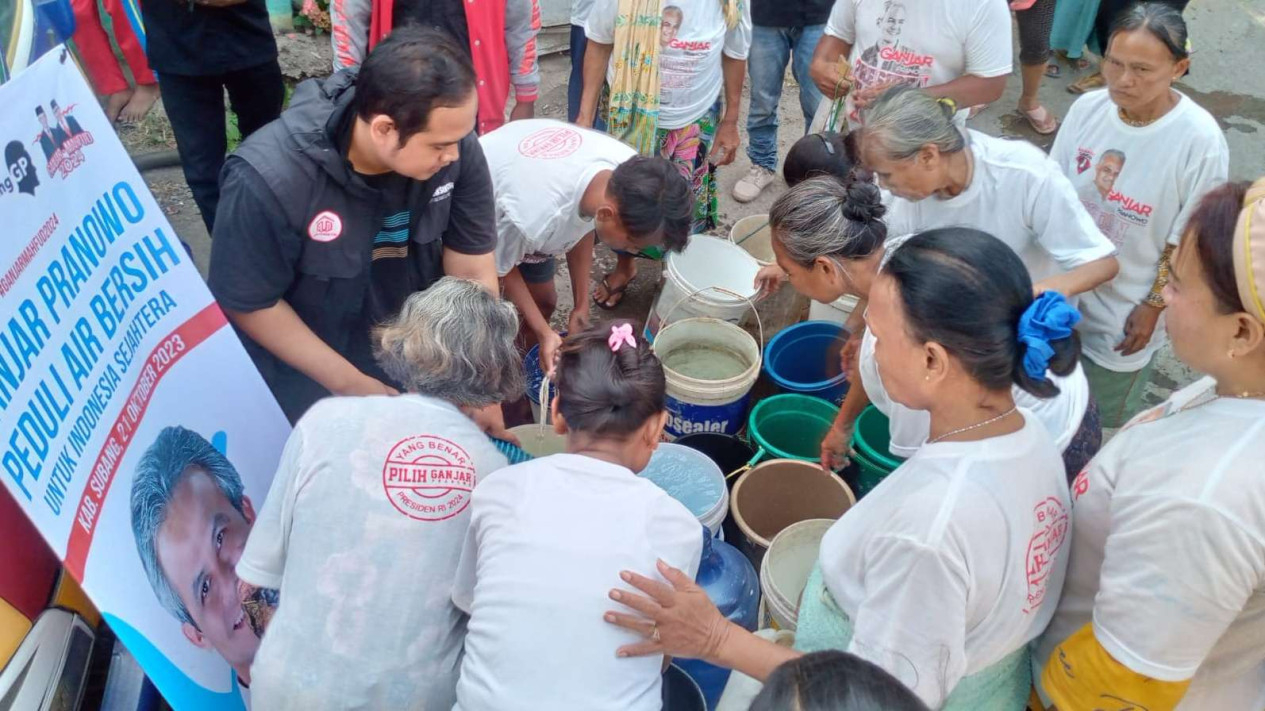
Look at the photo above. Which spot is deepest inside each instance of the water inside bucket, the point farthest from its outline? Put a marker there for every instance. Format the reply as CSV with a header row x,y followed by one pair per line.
x,y
677,471
706,362
795,433
539,444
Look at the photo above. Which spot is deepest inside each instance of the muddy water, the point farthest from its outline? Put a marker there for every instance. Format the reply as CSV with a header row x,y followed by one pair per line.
x,y
706,362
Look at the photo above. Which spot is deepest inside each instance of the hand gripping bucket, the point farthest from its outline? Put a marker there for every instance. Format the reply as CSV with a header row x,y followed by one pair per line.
x,y
710,366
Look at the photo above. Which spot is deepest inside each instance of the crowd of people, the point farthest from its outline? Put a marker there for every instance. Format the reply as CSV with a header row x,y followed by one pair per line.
x,y
386,246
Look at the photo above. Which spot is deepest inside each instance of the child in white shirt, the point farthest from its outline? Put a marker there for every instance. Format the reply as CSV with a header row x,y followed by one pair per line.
x,y
547,538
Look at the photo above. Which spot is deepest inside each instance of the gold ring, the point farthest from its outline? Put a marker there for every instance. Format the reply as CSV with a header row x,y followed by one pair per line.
x,y
654,632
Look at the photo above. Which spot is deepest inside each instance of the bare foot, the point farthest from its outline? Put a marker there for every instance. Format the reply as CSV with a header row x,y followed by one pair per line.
x,y
140,103
115,102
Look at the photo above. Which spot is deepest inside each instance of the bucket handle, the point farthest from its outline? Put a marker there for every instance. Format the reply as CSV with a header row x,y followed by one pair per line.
x,y
750,304
759,454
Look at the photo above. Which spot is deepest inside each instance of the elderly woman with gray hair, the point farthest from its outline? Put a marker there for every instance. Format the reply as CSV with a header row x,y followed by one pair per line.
x,y
363,527
940,175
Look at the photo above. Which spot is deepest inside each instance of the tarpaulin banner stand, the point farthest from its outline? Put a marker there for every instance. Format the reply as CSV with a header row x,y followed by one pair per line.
x,y
134,430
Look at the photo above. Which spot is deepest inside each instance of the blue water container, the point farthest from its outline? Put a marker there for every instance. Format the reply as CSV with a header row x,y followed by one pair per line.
x,y
733,585
804,359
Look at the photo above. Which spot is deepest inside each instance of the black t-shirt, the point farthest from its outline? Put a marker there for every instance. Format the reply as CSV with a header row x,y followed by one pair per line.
x,y
790,13
448,16
392,274
195,40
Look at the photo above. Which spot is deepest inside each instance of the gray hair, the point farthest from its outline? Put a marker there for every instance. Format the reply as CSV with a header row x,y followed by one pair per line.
x,y
824,216
1112,153
455,342
160,470
1163,21
903,119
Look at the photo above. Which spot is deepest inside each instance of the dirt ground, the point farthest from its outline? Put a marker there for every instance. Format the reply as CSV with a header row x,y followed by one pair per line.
x,y
1241,115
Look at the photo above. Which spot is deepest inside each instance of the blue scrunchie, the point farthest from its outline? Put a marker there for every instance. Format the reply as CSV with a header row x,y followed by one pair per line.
x,y
1049,318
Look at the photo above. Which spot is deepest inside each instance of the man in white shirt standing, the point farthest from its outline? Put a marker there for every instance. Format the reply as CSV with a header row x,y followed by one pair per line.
x,y
959,50
558,190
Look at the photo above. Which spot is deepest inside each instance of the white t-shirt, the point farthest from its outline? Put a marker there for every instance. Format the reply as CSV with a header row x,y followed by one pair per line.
x,y
540,170
1061,415
1168,554
1019,196
546,543
580,11
692,36
922,42
955,560
1141,184
361,532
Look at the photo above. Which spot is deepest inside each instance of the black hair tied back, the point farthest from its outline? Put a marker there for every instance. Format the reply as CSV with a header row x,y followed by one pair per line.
x,y
606,391
968,291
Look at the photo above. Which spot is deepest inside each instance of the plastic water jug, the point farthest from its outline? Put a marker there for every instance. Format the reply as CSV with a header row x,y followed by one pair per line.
x,y
733,585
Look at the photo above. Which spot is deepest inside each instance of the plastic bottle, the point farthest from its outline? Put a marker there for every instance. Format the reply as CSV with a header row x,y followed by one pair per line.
x,y
733,585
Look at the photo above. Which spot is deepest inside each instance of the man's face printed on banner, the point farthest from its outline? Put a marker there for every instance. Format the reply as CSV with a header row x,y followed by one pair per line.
x,y
199,545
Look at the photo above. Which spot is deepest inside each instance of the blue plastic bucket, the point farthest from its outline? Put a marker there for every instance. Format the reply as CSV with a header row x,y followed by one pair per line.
x,y
804,359
688,476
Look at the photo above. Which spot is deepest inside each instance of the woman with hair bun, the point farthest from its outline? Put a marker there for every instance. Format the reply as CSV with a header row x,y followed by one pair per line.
x,y
830,238
941,175
1164,604
945,572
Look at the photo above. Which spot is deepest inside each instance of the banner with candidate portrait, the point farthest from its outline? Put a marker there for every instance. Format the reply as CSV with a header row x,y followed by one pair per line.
x,y
134,430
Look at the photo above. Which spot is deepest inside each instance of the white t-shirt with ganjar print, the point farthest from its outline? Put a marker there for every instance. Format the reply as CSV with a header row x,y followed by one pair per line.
x,y
692,36
922,42
1140,185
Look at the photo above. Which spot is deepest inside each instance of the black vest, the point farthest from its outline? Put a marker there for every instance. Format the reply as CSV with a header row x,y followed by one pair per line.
x,y
336,216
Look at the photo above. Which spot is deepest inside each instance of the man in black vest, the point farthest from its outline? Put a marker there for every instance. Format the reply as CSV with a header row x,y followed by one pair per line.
x,y
367,189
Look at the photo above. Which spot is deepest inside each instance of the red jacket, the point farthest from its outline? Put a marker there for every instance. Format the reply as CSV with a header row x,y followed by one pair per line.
x,y
502,46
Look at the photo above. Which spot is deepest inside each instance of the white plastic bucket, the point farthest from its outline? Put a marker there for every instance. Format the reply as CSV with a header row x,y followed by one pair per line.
x,y
754,235
712,276
538,441
786,567
692,478
838,310
710,366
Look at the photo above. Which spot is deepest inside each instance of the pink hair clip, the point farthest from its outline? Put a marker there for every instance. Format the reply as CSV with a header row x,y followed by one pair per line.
x,y
620,335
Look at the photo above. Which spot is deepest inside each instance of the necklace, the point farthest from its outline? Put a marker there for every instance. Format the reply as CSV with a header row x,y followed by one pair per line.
x,y
1134,122
975,426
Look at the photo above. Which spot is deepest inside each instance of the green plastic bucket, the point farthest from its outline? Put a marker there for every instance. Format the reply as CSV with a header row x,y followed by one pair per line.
x,y
870,440
791,426
867,474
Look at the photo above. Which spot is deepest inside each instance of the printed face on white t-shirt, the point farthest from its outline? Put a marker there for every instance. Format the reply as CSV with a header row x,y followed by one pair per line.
x,y
1114,212
670,25
891,60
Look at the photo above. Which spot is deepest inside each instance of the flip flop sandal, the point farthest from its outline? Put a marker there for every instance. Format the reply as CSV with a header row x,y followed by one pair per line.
x,y
1041,120
611,293
1053,70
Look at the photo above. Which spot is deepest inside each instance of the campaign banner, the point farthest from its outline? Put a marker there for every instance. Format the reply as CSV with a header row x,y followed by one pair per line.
x,y
134,430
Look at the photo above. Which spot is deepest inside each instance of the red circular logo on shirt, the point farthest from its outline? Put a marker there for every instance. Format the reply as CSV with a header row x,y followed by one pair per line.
x,y
325,227
1050,527
550,143
428,478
